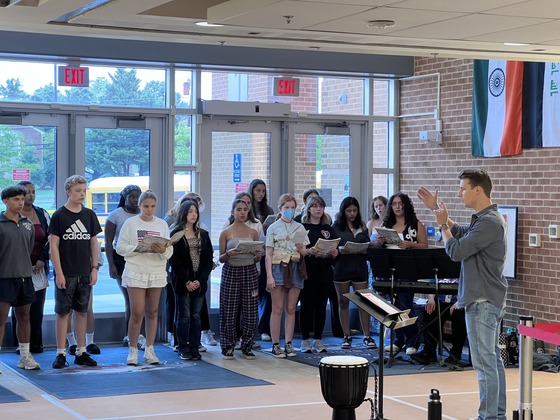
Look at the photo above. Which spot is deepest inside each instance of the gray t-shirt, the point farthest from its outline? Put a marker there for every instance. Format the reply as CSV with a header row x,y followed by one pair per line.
x,y
118,217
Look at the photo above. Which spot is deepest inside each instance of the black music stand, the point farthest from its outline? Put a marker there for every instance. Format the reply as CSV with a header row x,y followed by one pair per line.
x,y
441,266
414,264
388,316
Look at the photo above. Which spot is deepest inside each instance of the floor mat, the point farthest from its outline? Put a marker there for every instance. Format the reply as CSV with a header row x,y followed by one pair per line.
x,y
113,377
7,396
401,365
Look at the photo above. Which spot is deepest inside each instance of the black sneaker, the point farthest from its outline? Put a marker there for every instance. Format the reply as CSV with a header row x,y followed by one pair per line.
x,y
249,355
93,349
60,361
452,360
72,350
424,358
196,356
185,355
228,353
84,359
369,343
346,343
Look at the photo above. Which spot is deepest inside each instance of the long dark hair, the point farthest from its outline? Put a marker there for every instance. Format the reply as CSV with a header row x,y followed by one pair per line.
x,y
410,218
250,217
259,209
181,219
341,223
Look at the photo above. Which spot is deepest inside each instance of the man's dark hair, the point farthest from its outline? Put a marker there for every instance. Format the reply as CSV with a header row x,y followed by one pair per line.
x,y
13,191
478,178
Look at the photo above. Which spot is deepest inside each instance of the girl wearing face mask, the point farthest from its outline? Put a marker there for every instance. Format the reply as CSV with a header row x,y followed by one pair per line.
x,y
285,247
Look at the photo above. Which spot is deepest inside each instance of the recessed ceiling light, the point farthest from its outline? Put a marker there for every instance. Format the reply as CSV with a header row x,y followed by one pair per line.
x,y
205,23
515,44
381,24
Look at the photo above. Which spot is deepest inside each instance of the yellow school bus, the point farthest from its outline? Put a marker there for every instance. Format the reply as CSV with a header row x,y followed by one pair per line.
x,y
103,194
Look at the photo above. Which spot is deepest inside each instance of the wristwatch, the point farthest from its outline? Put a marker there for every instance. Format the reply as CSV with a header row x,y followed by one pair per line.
x,y
443,227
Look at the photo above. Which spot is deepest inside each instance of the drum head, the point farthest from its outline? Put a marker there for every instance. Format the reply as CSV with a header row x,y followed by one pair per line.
x,y
343,360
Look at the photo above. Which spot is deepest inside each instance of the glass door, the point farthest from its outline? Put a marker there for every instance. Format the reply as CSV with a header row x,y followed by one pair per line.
x,y
114,152
233,153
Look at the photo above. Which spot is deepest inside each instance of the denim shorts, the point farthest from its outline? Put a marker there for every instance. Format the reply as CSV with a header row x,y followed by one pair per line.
x,y
75,296
278,274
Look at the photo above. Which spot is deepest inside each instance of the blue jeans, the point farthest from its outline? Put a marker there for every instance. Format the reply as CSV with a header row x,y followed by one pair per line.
x,y
483,328
187,321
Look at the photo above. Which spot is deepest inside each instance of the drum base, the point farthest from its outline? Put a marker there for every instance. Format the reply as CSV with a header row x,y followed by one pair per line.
x,y
344,414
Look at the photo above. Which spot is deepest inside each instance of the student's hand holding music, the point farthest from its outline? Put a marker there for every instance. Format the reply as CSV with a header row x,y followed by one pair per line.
x,y
158,248
333,253
257,255
301,249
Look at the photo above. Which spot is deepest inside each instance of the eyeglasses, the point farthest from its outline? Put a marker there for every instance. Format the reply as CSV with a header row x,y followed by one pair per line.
x,y
397,204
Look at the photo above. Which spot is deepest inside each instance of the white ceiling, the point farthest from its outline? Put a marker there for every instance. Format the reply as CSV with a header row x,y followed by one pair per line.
x,y
448,28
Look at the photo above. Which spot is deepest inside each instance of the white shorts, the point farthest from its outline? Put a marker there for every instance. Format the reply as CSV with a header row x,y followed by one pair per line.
x,y
143,281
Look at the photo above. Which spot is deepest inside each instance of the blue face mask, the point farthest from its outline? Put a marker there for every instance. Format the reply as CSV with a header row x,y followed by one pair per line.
x,y
288,214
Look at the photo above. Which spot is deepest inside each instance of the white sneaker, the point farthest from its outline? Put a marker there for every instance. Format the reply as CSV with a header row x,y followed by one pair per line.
x,y
395,348
410,351
150,357
28,363
141,342
265,337
125,341
132,359
319,346
201,348
208,338
237,345
305,346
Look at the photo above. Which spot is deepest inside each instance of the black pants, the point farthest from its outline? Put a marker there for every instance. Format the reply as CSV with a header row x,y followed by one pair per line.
x,y
458,329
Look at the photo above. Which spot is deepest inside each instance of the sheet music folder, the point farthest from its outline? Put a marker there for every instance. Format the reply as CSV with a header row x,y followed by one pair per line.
x,y
380,309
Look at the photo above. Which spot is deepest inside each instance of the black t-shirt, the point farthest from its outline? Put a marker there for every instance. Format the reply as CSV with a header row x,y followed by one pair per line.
x,y
319,266
75,231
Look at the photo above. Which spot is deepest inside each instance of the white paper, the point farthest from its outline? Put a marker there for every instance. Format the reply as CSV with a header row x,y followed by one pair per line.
x,y
355,247
324,246
391,236
300,237
248,247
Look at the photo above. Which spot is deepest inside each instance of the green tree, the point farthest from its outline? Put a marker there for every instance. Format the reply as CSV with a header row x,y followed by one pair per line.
x,y
183,149
13,91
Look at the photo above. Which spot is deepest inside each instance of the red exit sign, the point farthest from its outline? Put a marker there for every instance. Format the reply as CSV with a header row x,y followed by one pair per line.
x,y
286,86
73,76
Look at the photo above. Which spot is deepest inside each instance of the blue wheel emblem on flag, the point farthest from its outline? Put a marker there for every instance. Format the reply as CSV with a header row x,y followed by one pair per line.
x,y
497,82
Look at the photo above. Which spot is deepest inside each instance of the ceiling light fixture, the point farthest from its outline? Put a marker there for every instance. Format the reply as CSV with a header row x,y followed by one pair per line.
x,y
515,44
205,23
381,23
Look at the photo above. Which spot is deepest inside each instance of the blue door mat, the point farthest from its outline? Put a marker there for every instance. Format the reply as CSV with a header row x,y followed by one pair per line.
x,y
113,377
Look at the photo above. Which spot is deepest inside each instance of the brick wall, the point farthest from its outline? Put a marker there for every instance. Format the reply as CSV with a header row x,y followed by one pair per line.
x,y
529,181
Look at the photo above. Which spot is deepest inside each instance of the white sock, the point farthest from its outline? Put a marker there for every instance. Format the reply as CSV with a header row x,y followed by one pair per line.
x,y
89,338
23,349
61,351
80,350
71,339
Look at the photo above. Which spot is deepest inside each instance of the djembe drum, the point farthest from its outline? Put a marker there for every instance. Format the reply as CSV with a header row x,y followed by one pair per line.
x,y
344,384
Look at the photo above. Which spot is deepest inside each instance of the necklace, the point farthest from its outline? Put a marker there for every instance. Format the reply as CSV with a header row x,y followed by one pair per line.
x,y
30,215
288,232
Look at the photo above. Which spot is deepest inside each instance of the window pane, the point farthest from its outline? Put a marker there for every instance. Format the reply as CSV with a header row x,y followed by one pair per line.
x,y
183,89
381,149
114,159
381,98
183,140
322,162
253,149
317,95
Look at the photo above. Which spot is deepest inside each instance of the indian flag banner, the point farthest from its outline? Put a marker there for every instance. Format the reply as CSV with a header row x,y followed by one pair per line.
x,y
497,108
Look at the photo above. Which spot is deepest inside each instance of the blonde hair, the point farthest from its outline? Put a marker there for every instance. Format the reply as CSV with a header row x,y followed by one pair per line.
x,y
74,180
285,198
145,195
189,195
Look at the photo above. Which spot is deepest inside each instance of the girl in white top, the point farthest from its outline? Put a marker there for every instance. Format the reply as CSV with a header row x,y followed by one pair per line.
x,y
144,274
285,248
